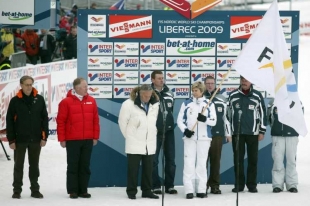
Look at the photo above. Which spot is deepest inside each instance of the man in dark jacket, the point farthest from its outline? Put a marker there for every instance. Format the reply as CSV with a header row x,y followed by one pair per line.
x,y
284,144
47,46
219,132
70,44
252,129
165,112
27,130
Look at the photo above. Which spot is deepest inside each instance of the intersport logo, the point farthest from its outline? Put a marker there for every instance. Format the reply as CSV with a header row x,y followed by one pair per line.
x,y
191,10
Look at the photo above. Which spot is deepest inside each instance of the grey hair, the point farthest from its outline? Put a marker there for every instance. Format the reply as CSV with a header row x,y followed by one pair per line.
x,y
146,87
24,78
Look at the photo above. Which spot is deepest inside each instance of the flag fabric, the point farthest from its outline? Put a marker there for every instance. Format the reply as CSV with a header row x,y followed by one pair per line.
x,y
265,61
118,5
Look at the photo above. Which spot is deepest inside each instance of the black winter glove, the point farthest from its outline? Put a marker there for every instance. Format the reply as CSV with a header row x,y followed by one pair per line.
x,y
201,118
188,133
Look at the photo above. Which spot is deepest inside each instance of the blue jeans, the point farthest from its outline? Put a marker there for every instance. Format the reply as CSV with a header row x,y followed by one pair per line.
x,y
169,152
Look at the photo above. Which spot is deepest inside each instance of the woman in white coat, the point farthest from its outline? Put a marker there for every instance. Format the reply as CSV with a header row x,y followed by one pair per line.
x,y
196,140
137,121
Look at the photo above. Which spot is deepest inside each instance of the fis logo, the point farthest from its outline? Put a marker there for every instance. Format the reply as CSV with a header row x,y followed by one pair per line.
x,y
121,75
96,19
93,60
171,75
92,48
145,77
93,89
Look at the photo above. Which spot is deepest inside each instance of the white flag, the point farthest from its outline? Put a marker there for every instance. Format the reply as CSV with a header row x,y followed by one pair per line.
x,y
265,62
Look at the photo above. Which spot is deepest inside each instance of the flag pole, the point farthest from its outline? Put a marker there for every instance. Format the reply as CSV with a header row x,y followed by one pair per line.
x,y
213,95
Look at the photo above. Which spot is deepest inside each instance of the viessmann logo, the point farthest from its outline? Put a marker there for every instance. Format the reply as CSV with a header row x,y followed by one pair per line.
x,y
191,10
17,16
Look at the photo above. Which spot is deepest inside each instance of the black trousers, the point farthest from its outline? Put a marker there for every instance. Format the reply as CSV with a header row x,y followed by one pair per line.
x,y
45,59
251,142
34,150
214,156
133,164
169,152
78,162
33,59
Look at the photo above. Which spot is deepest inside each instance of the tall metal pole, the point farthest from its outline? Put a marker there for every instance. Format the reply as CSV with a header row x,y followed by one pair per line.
x,y
153,4
146,6
291,2
88,4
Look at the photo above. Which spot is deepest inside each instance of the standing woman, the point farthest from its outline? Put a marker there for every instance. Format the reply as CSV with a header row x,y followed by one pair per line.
x,y
196,142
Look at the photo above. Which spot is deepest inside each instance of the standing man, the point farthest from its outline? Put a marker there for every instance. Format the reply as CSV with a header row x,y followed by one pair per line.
x,y
219,131
78,131
166,108
252,129
284,144
47,46
70,44
27,130
137,121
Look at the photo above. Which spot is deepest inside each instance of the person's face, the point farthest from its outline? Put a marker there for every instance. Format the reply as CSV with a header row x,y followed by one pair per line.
x,y
43,31
27,86
74,31
245,84
210,85
145,96
196,93
81,89
158,81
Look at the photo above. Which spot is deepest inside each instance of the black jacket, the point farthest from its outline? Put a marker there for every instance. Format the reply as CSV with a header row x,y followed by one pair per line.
x,y
277,128
50,41
222,127
166,101
252,105
27,118
70,47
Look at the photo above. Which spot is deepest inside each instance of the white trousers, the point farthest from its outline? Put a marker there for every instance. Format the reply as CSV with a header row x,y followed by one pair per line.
x,y
284,147
195,171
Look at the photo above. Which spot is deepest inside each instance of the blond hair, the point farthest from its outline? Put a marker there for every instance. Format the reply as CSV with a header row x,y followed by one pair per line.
x,y
198,85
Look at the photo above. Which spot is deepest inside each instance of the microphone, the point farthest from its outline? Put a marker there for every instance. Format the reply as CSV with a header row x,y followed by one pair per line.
x,y
240,113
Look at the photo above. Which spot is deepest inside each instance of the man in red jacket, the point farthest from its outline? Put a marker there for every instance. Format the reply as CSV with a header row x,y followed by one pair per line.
x,y
78,131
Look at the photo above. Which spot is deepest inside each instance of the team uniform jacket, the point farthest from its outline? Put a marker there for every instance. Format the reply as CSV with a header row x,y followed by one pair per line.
x,y
252,105
222,127
166,101
27,121
138,126
76,119
188,116
277,128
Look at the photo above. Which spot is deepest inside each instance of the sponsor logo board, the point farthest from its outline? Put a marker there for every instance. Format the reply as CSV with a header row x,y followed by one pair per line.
x,y
152,49
97,26
232,78
178,63
224,63
200,76
203,63
122,91
177,77
126,77
152,63
100,48
180,91
190,47
228,49
131,63
126,48
100,91
95,77
99,62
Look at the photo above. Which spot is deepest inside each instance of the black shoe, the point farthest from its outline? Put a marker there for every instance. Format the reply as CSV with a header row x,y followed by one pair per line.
x,y
276,190
216,191
235,190
171,191
150,195
157,191
73,196
132,197
16,195
253,190
36,194
85,195
293,190
201,195
189,196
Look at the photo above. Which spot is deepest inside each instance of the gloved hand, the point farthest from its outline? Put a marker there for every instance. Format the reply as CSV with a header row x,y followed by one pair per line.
x,y
188,133
201,118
